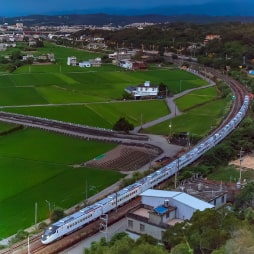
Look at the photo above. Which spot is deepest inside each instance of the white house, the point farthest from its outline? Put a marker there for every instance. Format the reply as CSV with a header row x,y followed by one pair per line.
x,y
147,90
185,203
143,90
162,209
72,60
86,64
125,64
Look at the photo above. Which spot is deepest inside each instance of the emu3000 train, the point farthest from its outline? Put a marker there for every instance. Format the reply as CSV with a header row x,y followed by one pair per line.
x,y
84,216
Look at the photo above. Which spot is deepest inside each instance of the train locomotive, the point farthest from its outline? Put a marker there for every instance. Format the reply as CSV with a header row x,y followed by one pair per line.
x,y
86,215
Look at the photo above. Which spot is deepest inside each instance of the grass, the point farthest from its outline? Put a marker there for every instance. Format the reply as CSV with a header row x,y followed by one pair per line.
x,y
102,115
96,85
196,98
231,174
208,114
5,127
36,166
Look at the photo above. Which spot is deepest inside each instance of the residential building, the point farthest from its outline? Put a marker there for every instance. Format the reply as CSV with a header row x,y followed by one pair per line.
x,y
145,90
85,64
72,60
162,209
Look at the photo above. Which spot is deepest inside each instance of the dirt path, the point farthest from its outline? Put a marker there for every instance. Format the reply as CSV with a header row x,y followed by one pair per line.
x,y
247,162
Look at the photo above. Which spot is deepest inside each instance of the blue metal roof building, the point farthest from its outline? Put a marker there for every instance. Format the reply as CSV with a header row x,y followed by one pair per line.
x,y
185,204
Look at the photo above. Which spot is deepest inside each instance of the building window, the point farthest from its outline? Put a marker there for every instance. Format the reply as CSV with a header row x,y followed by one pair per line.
x,y
130,223
223,199
214,202
142,227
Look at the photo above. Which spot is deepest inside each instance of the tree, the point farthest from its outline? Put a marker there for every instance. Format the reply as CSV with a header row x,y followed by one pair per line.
x,y
163,90
123,125
147,239
127,96
241,242
245,198
210,229
181,248
56,215
146,248
249,215
174,235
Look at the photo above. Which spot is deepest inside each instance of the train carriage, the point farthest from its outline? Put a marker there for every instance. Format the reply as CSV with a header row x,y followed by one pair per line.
x,y
86,215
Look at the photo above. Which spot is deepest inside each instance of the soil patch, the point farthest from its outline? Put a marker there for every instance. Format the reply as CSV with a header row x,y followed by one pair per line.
x,y
125,158
247,162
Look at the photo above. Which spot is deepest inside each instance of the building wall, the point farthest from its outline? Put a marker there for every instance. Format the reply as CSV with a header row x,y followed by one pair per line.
x,y
182,212
140,227
147,91
71,60
219,201
156,219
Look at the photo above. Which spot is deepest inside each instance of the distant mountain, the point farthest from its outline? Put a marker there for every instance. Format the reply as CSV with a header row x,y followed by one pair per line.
x,y
101,19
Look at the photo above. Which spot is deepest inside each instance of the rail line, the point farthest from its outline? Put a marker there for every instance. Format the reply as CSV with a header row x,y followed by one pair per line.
x,y
35,245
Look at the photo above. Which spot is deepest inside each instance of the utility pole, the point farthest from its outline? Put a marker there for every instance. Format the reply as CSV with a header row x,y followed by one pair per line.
x,y
176,172
241,160
86,202
141,121
104,225
28,245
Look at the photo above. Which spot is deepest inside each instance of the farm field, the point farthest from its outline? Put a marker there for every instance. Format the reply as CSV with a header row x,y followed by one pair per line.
x,y
196,98
59,83
51,87
103,115
36,166
209,114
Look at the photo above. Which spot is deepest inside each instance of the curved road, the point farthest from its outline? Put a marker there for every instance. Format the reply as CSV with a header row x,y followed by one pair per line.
x,y
169,150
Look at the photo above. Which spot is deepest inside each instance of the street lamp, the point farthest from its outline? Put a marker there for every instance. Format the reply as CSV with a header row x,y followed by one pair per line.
x,y
170,126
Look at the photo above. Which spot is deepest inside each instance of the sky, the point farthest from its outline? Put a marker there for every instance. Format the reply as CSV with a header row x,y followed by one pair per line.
x,y
10,8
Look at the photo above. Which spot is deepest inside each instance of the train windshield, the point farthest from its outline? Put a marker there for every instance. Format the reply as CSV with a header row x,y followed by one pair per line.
x,y
49,231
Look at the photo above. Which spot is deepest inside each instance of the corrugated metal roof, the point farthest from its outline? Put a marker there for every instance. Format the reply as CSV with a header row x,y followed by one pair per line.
x,y
192,201
159,193
181,197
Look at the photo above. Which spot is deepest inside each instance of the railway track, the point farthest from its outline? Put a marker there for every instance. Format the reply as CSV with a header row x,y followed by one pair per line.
x,y
77,130
35,245
34,242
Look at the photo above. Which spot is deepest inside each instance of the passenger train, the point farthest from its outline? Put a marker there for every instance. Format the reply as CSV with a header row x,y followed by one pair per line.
x,y
84,216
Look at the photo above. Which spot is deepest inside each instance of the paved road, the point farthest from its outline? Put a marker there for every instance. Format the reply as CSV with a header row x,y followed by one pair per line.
x,y
117,227
172,107
160,141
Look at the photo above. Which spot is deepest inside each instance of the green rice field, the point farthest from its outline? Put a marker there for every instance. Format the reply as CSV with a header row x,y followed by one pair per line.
x,y
36,166
102,115
197,121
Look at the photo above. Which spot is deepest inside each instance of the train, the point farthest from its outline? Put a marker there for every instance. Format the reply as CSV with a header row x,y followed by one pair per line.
x,y
92,212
